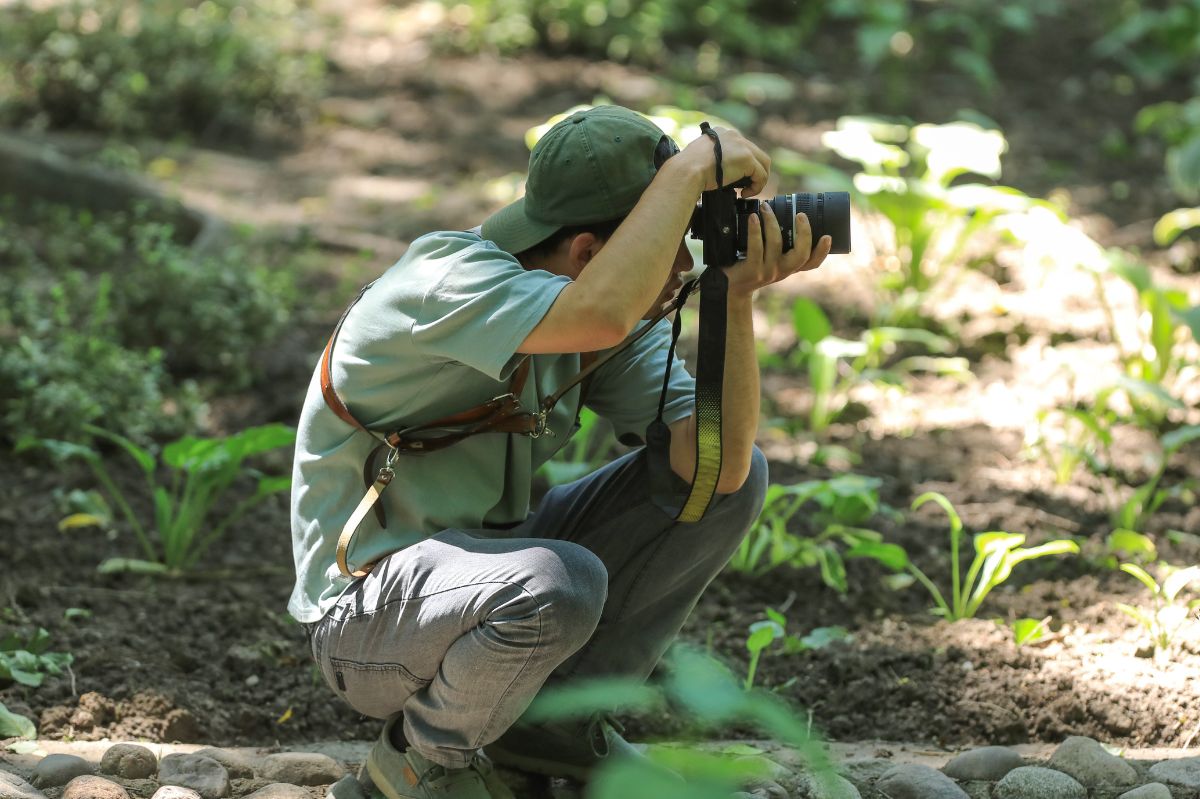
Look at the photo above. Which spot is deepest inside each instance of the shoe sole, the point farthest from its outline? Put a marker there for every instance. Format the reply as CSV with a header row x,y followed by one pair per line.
x,y
534,765
382,786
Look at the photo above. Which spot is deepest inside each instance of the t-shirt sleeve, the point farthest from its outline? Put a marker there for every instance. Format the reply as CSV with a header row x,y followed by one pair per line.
x,y
626,390
482,308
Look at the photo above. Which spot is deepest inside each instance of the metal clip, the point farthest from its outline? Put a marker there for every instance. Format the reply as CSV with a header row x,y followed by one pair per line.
x,y
540,429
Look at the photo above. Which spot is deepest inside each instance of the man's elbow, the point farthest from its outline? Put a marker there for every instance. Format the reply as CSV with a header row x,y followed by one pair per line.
x,y
733,477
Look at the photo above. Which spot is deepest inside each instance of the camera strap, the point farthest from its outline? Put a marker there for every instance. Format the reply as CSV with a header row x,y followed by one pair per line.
x,y
710,379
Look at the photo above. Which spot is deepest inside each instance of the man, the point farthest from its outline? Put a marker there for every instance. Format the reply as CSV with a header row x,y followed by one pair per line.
x,y
471,603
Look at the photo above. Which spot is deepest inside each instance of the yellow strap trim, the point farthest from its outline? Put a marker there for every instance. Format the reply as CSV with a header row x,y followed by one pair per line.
x,y
352,524
708,460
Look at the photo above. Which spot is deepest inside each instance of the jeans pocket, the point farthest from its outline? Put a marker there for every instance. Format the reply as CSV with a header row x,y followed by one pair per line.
x,y
373,689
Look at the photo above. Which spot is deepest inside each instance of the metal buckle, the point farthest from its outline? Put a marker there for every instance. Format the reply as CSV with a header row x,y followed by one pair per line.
x,y
539,426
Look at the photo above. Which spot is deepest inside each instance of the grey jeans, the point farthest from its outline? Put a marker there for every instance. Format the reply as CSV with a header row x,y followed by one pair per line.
x,y
460,631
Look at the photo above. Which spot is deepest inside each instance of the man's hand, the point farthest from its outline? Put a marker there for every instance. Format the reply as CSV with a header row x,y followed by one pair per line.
x,y
765,262
740,158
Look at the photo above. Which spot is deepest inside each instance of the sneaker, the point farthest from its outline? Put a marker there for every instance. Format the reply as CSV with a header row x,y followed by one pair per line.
x,y
393,774
562,749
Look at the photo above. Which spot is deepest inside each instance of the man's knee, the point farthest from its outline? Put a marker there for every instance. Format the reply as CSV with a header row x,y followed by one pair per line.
x,y
570,586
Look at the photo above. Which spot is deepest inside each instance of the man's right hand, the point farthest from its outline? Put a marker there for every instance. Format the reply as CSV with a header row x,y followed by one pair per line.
x,y
740,158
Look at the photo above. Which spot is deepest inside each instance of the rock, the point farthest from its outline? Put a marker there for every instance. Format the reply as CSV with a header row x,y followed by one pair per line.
x,y
90,787
1091,765
833,787
771,770
239,765
977,789
202,774
301,768
13,787
1153,790
1035,782
985,763
347,787
865,771
279,790
175,792
55,770
1184,772
913,781
129,761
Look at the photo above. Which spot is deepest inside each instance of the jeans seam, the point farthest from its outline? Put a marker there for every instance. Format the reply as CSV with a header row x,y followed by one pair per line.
x,y
386,603
532,650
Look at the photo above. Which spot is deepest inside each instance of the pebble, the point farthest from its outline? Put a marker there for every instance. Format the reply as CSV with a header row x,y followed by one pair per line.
x,y
301,768
13,787
90,787
1091,764
985,763
239,765
130,761
1153,790
1035,782
202,774
914,781
835,787
175,792
279,790
55,770
1184,772
347,787
865,771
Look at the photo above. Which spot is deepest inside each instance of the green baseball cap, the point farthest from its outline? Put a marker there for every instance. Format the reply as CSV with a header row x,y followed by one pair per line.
x,y
590,167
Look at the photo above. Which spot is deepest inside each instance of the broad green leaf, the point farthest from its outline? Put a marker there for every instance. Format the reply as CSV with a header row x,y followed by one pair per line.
x,y
822,637
959,147
1177,438
1061,546
1128,542
1176,581
809,321
1027,631
130,565
989,543
583,698
1142,575
762,636
65,450
816,175
77,520
858,144
632,778
777,617
256,440
143,458
1174,224
891,556
13,725
189,452
1145,390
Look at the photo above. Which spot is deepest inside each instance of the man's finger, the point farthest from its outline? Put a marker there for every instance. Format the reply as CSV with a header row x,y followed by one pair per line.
x,y
819,254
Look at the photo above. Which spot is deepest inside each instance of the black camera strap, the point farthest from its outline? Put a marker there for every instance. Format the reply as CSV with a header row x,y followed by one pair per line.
x,y
710,379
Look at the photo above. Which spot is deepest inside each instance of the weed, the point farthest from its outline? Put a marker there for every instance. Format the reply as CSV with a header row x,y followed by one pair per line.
x,y
27,660
996,553
763,634
1029,631
1168,612
202,470
14,725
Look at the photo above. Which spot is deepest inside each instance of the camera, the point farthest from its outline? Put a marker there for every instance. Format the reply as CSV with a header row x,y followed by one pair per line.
x,y
721,217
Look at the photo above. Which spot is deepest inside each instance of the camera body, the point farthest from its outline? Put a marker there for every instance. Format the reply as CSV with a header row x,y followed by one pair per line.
x,y
721,219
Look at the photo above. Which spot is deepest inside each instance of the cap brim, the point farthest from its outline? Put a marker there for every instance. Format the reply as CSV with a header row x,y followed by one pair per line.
x,y
513,231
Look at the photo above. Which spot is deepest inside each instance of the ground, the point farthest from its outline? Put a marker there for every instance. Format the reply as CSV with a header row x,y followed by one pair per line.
x,y
406,142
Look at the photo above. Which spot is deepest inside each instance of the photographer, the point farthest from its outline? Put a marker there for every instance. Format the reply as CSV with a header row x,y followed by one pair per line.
x,y
445,606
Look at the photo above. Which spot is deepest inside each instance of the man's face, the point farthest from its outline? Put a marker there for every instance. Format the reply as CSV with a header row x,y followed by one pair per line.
x,y
683,263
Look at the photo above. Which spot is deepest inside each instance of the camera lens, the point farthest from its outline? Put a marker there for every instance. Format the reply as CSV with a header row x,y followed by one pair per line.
x,y
828,214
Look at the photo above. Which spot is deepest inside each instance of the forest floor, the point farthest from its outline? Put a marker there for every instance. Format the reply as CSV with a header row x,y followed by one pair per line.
x,y
406,143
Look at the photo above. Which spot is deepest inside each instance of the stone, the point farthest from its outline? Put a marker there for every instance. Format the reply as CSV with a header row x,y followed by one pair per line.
x,y
301,768
175,792
1152,790
279,790
1035,782
985,763
347,787
833,787
1091,764
13,787
202,774
1184,772
914,781
92,787
865,771
130,761
977,789
55,770
239,765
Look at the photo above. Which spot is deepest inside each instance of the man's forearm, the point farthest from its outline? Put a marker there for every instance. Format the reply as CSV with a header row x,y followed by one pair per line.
x,y
740,395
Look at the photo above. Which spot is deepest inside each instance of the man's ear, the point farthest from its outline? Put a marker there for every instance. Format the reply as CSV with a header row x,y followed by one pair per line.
x,y
582,250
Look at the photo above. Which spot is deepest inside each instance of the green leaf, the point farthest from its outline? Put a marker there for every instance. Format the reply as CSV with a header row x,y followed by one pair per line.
x,y
1174,224
143,458
1177,438
761,638
1142,575
777,617
1027,631
13,725
822,637
758,87
1176,581
990,543
891,556
955,520
256,440
582,699
1183,168
1128,543
272,485
809,321
130,565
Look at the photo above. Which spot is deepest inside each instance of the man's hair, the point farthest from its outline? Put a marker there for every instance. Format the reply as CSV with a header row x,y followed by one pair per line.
x,y
601,230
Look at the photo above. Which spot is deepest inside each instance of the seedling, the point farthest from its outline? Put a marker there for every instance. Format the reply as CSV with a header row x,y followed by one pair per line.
x,y
27,661
1168,611
763,634
201,471
1029,631
1070,437
1135,512
996,553
1124,544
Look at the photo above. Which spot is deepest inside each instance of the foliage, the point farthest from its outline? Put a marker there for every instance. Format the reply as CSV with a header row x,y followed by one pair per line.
x,y
708,693
1178,124
155,67
14,725
1122,544
835,364
996,553
1169,611
844,502
202,470
588,449
1029,631
27,660
763,634
1135,512
1155,44
909,175
1068,437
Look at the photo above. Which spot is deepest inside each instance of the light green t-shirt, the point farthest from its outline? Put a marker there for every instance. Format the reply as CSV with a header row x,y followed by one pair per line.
x,y
435,335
